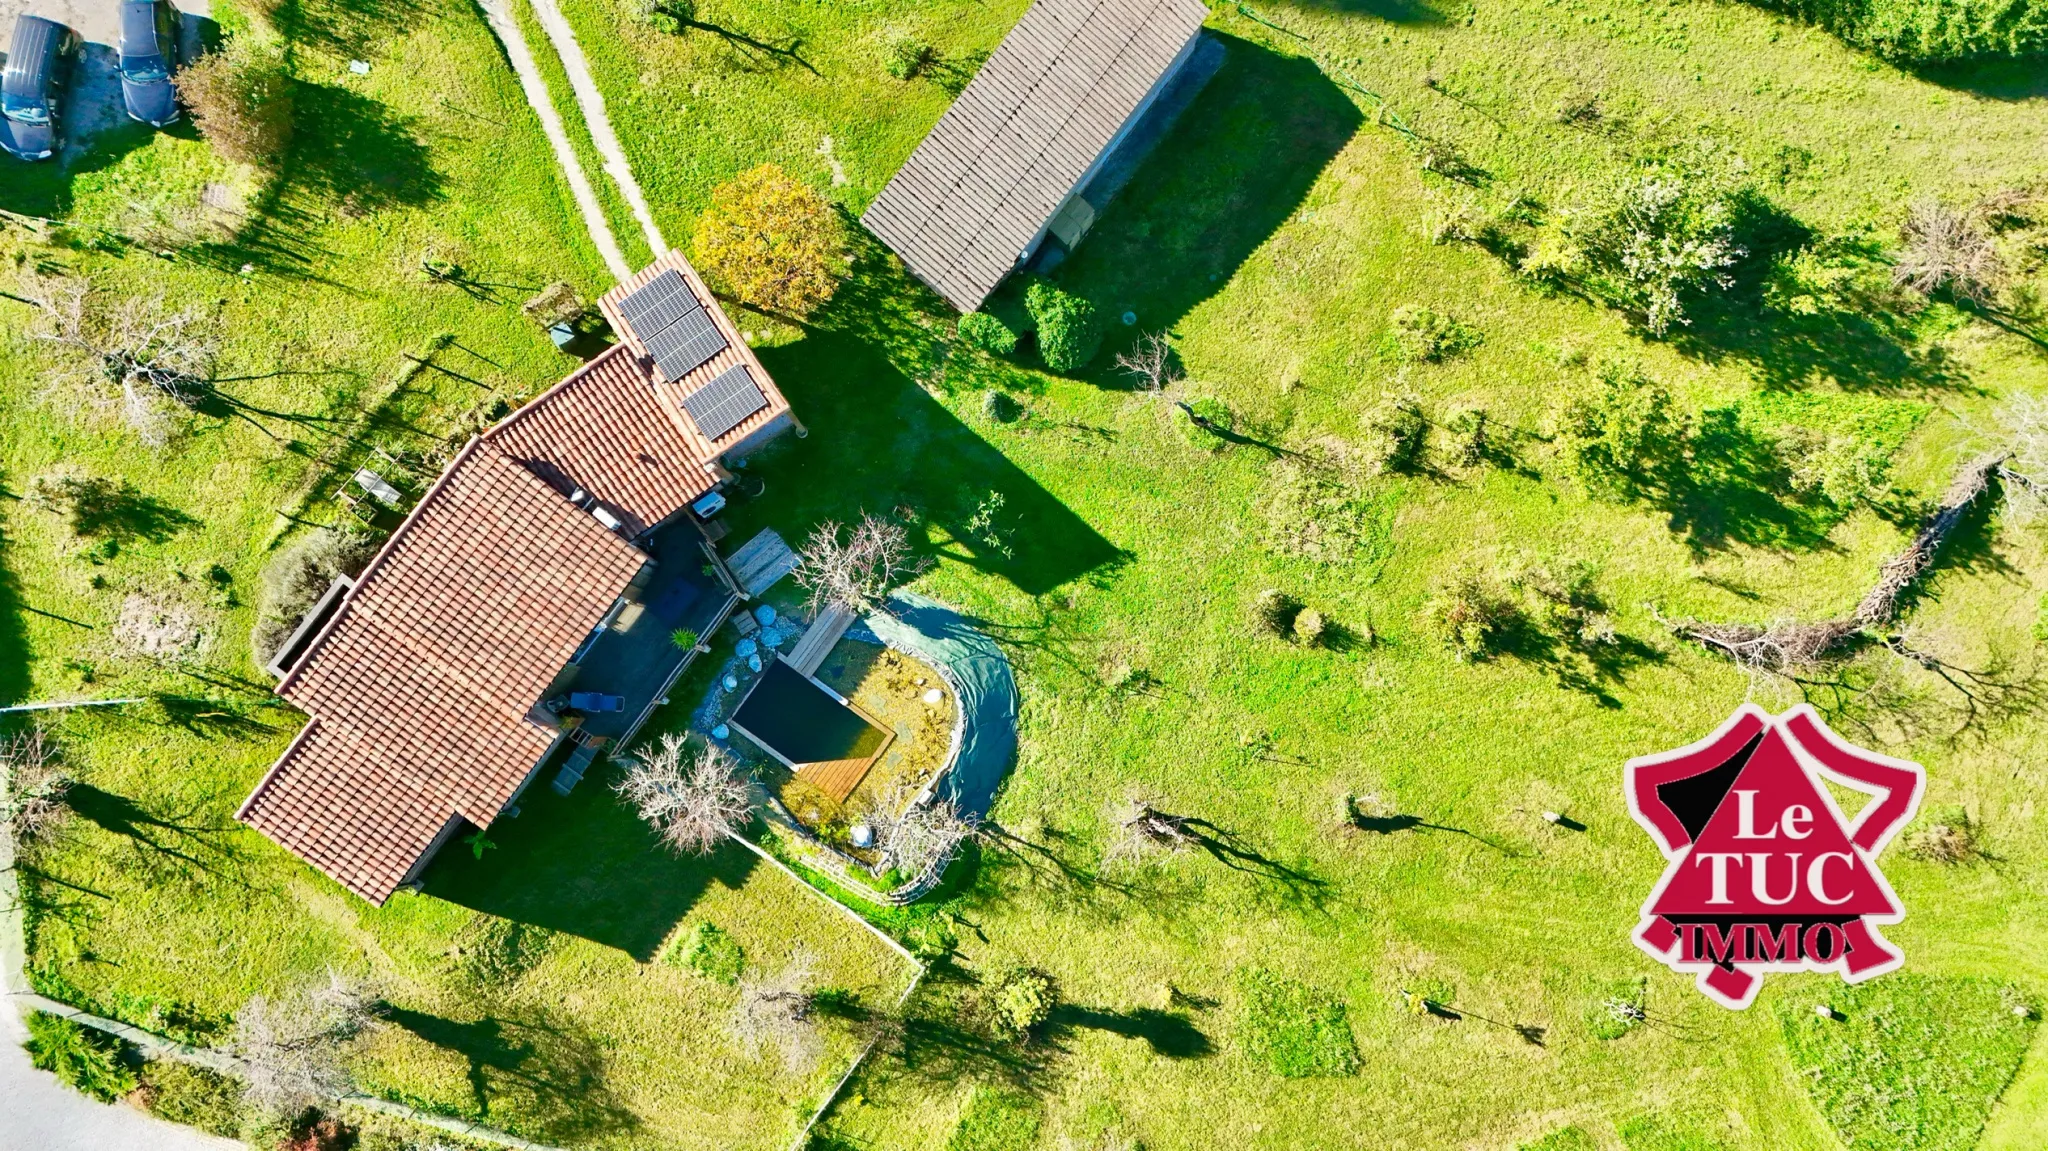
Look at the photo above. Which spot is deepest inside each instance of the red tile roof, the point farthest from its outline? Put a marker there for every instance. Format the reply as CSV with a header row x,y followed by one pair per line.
x,y
421,684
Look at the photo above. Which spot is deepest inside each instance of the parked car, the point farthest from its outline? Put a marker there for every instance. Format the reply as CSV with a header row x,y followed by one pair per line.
x,y
31,91
149,58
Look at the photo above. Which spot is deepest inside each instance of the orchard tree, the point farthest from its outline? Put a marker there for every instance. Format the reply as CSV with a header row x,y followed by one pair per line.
x,y
772,241
693,802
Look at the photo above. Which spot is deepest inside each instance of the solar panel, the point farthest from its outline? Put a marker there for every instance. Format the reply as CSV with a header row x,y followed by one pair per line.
x,y
661,302
685,345
724,403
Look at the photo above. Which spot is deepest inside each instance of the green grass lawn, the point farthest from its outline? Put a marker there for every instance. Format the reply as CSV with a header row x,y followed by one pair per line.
x,y
1273,235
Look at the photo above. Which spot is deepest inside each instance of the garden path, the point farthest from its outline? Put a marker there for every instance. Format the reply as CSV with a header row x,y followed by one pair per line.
x,y
499,14
591,101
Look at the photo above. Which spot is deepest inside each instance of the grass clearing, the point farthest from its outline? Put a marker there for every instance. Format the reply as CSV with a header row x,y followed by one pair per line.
x,y
1914,1061
996,1120
1296,1031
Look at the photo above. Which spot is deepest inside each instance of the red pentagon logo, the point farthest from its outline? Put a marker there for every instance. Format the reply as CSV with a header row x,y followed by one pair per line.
x,y
1766,873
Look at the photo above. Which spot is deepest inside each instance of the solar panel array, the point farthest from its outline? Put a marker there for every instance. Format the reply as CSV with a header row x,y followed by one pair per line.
x,y
723,404
672,325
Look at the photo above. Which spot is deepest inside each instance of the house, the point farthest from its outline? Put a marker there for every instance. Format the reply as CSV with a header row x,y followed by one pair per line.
x,y
556,551
1047,133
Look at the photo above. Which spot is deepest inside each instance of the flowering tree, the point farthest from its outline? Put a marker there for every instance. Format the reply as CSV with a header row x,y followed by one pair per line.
x,y
773,241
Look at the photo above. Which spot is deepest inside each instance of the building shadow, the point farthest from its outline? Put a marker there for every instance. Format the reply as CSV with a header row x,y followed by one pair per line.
x,y
545,1077
585,865
884,443
1237,164
1392,11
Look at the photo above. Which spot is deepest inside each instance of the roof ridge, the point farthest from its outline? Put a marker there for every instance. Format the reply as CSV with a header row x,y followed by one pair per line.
x,y
602,359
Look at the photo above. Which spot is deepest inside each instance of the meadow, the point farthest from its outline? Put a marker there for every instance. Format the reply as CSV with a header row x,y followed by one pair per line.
x,y
1377,803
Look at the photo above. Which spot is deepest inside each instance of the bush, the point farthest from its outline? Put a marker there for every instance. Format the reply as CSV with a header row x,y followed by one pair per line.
x,y
1932,31
1840,468
241,100
1621,433
194,1097
88,1061
1396,435
316,1132
773,241
668,17
1069,327
294,581
1274,611
1658,235
999,406
1945,836
1473,437
909,57
1470,615
1427,995
1309,627
1422,335
1315,509
1295,1030
555,304
1020,1001
987,332
710,952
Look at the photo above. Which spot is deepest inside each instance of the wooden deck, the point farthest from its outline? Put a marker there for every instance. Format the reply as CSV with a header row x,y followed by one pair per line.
x,y
838,777
810,651
761,561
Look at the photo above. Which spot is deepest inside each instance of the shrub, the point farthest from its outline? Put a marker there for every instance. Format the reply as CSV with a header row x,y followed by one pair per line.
x,y
194,1097
1274,611
83,1059
1020,1001
1941,248
1427,995
996,1120
1947,836
999,406
1069,327
1423,335
1932,31
909,57
1618,1011
1295,1030
1396,434
1840,468
1621,432
294,581
555,304
1473,439
1470,615
316,1132
773,241
241,100
1315,509
987,332
683,638
1659,234
710,952
669,17
1309,627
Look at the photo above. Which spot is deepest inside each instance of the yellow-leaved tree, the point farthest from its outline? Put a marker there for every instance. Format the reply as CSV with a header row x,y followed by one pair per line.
x,y
772,241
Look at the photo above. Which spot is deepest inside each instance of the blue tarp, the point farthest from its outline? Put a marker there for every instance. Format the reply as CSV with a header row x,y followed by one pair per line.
x,y
981,677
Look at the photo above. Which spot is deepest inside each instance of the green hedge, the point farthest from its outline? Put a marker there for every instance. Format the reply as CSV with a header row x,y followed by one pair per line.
x,y
1932,31
1069,327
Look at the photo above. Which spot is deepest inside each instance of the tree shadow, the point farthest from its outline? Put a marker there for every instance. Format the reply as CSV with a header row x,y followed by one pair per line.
x,y
535,1070
210,718
1297,886
104,509
1861,342
756,52
15,652
1394,824
891,444
1169,1033
181,841
1234,168
353,148
1730,486
585,865
347,28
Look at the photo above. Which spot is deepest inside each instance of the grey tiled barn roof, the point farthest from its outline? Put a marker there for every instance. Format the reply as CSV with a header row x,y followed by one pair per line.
x,y
1005,156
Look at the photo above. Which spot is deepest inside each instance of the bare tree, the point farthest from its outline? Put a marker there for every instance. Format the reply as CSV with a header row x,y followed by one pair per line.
x,y
1945,248
917,836
1150,363
694,802
32,805
776,1011
292,1049
2023,422
138,357
855,570
1137,831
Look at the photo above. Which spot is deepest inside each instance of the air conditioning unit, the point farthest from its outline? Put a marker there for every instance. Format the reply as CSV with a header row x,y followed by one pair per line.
x,y
708,505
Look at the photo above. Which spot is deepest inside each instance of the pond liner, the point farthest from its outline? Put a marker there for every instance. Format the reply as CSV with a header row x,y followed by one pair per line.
x,y
982,682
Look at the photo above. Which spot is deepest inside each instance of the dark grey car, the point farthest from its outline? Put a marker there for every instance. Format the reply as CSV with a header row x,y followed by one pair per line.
x,y
149,58
31,90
